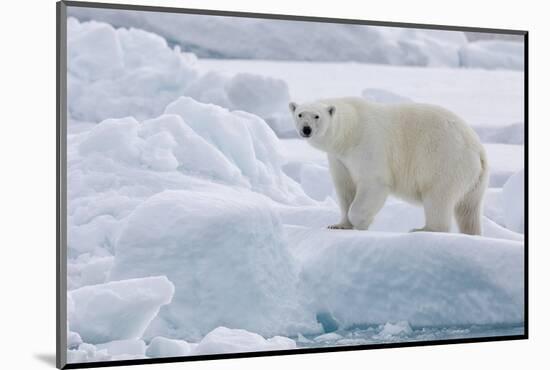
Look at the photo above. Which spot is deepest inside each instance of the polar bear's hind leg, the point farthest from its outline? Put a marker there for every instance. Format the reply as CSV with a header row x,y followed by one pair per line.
x,y
468,215
468,211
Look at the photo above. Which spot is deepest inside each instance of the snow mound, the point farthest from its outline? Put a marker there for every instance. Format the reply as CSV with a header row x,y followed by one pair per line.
x,y
506,134
504,161
224,340
384,96
88,270
493,54
395,329
328,337
164,347
219,340
111,351
291,40
426,279
129,347
492,229
316,181
259,95
243,138
513,194
230,265
493,207
87,353
114,73
73,339
246,141
496,211
264,96
119,163
165,143
84,42
96,310
319,216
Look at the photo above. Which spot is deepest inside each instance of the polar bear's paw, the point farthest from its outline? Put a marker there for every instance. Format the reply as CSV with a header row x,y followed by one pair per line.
x,y
340,226
430,230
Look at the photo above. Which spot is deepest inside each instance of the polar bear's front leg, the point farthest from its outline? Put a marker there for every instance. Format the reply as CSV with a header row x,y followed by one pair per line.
x,y
369,199
345,191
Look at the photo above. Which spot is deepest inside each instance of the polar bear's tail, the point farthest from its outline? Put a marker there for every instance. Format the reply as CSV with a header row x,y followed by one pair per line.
x,y
468,211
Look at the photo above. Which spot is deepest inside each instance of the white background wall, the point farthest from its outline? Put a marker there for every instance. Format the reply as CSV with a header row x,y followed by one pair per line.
x,y
27,207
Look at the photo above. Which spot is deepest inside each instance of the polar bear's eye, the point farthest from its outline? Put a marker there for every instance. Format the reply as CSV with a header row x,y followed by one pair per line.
x,y
300,115
316,116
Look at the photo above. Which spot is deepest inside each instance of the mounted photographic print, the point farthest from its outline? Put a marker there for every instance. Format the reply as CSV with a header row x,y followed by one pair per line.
x,y
237,184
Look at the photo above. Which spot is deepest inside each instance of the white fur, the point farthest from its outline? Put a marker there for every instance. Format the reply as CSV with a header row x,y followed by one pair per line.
x,y
418,152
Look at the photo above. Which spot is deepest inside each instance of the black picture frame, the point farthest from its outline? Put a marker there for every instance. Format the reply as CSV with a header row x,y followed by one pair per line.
x,y
61,191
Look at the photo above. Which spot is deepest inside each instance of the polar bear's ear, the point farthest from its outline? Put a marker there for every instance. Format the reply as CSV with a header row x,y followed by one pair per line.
x,y
292,106
331,109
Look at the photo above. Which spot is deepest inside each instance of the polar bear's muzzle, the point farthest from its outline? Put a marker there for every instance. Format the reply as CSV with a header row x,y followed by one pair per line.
x,y
306,131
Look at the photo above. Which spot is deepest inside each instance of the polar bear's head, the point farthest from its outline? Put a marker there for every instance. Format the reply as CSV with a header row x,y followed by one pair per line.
x,y
312,120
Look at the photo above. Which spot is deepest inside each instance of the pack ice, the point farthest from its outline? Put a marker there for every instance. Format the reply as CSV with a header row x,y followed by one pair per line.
x,y
246,38
194,229
114,73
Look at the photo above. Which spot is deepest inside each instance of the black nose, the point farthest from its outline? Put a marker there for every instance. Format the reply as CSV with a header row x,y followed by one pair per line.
x,y
306,130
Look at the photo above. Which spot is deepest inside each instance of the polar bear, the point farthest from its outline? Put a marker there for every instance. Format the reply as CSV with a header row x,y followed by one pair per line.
x,y
418,152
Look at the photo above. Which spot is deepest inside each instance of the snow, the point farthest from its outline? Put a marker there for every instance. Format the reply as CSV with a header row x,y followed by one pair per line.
x,y
513,193
73,339
384,96
484,98
117,73
89,270
242,137
115,350
132,347
219,340
492,54
165,347
395,329
96,310
224,340
173,145
316,181
197,222
110,76
504,161
118,163
246,38
505,134
327,337
301,339
403,332
86,353
264,96
493,206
